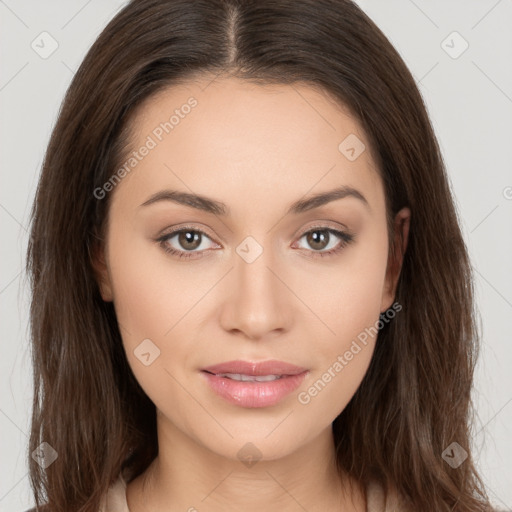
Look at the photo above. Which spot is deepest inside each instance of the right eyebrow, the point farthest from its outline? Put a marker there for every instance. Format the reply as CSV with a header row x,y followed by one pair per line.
x,y
193,200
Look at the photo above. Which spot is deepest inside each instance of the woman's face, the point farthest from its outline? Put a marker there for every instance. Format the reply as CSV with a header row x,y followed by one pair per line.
x,y
255,274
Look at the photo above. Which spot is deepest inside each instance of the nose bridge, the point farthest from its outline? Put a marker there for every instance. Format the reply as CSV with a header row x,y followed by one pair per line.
x,y
257,303
255,282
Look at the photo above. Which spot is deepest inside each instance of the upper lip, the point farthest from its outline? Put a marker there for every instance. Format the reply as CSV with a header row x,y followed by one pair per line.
x,y
271,367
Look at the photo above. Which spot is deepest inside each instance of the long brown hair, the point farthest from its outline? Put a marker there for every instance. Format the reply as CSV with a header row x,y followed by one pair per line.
x,y
415,399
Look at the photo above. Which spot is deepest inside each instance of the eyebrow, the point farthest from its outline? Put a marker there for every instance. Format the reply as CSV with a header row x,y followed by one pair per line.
x,y
218,208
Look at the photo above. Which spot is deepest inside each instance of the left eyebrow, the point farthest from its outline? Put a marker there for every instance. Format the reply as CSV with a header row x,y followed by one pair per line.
x,y
218,208
303,205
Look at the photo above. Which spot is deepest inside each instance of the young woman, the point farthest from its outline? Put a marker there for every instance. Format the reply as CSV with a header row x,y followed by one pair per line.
x,y
250,288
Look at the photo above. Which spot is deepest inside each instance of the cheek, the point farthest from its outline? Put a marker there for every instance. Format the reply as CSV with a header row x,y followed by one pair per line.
x,y
150,295
347,299
154,301
145,305
137,293
346,295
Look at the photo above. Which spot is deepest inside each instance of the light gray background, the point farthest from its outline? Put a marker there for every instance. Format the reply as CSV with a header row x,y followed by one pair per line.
x,y
469,100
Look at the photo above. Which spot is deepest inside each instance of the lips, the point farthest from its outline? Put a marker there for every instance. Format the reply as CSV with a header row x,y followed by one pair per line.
x,y
257,369
251,385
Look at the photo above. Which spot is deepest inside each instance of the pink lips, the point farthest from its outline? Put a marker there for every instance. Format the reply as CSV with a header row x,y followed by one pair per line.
x,y
252,393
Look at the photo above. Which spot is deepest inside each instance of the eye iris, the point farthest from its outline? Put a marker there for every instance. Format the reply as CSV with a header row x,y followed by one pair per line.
x,y
189,239
318,237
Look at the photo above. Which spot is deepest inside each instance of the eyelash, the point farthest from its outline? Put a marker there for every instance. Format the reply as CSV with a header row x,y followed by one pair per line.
x,y
345,239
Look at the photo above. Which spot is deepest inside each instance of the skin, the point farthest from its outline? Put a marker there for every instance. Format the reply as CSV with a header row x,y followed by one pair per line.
x,y
257,149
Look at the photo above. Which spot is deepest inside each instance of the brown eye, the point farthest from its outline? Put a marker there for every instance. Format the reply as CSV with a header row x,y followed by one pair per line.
x,y
189,240
318,239
186,243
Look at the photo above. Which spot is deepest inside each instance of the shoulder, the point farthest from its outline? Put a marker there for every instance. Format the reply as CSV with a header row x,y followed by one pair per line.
x,y
114,500
376,499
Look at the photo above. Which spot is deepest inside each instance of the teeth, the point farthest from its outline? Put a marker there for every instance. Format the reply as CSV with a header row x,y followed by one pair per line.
x,y
249,378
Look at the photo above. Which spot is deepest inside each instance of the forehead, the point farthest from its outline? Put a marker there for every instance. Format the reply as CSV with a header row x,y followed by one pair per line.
x,y
227,135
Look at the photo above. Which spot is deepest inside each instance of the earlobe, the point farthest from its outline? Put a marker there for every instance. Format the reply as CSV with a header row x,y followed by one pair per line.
x,y
401,238
101,271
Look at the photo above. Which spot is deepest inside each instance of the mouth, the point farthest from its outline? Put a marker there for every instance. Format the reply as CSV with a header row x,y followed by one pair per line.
x,y
248,378
252,385
271,368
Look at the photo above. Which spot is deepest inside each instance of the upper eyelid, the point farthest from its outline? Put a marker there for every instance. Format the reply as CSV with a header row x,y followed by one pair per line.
x,y
166,233
166,236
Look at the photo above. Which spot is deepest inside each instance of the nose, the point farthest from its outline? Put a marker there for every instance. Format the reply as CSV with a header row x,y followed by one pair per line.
x,y
258,303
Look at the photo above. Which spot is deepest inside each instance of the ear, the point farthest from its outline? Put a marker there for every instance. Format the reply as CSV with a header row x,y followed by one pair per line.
x,y
101,270
395,260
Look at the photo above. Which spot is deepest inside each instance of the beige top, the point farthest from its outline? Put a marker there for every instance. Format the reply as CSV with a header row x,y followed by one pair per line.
x,y
115,499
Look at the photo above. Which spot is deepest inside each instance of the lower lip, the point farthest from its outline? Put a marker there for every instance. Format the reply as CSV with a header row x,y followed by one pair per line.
x,y
254,394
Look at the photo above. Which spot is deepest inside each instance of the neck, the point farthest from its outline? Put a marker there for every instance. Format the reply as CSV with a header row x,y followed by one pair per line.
x,y
191,477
